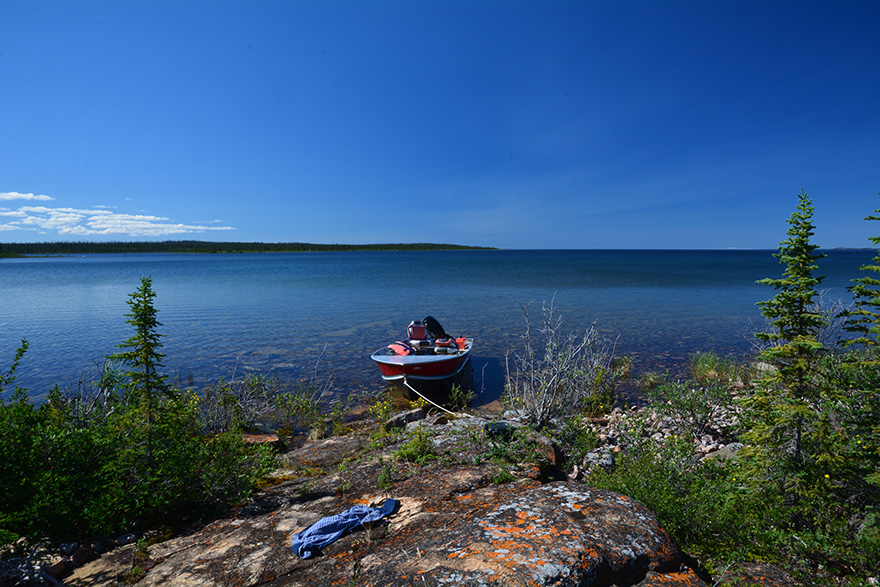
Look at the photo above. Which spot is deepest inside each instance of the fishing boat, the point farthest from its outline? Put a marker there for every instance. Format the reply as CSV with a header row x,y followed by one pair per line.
x,y
427,354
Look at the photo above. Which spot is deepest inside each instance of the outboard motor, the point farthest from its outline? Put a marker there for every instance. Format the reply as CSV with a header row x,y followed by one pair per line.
x,y
434,328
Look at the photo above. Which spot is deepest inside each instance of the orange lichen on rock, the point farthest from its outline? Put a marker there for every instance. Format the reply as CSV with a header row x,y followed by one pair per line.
x,y
454,526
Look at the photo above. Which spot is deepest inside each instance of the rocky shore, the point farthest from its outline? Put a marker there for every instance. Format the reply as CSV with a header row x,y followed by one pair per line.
x,y
483,501
622,427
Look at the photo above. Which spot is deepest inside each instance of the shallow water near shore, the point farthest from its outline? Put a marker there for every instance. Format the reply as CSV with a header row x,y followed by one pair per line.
x,y
224,315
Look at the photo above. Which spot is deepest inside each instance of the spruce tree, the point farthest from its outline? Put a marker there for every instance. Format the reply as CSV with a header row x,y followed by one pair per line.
x,y
143,359
864,320
792,311
9,377
791,345
781,412
142,449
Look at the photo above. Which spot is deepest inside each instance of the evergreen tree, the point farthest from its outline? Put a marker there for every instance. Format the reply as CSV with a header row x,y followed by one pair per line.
x,y
143,359
792,311
864,321
145,383
792,346
783,414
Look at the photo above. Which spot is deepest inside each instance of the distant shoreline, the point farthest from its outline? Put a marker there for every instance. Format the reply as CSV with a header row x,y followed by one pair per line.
x,y
85,248
64,248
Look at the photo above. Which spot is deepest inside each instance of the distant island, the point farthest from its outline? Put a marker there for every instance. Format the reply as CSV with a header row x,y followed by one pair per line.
x,y
85,248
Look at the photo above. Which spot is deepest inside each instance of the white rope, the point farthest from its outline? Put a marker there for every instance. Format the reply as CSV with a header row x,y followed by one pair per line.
x,y
416,391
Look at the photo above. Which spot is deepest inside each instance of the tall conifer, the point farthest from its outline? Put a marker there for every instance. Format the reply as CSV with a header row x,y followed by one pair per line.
x,y
782,410
864,320
792,311
145,382
143,357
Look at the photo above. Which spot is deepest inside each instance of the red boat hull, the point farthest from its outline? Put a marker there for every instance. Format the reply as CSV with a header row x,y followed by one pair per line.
x,y
422,366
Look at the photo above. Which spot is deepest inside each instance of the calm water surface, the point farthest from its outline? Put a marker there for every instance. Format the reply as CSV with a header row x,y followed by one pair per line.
x,y
224,315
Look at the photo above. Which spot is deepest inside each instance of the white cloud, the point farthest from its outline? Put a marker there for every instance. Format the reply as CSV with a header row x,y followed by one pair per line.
x,y
18,196
91,222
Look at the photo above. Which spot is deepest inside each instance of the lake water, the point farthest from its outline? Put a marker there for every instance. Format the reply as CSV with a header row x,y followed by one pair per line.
x,y
224,315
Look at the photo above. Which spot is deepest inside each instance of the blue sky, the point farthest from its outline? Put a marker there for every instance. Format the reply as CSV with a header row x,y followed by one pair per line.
x,y
544,124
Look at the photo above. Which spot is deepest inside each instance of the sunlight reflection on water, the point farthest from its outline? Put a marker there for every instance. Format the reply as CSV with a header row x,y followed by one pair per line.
x,y
276,313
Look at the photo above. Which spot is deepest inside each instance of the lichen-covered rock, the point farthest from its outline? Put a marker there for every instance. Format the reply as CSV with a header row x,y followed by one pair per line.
x,y
555,534
455,526
325,453
455,529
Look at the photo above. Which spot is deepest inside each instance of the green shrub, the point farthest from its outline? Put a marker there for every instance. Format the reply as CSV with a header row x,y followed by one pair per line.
x,y
101,457
418,449
511,446
576,440
692,405
460,398
502,476
701,505
69,481
386,474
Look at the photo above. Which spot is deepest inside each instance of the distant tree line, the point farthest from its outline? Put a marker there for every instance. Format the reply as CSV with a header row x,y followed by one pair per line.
x,y
189,246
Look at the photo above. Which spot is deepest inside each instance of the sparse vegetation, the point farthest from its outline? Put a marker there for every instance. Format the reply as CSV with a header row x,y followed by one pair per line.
x,y
386,474
693,405
418,449
256,400
460,398
557,374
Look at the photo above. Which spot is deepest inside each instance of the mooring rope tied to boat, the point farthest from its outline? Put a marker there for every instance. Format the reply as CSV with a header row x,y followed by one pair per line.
x,y
416,391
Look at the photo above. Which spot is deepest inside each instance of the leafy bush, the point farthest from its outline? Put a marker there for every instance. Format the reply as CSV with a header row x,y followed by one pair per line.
x,y
576,440
822,521
114,451
503,444
385,479
64,478
502,476
460,398
691,405
701,503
